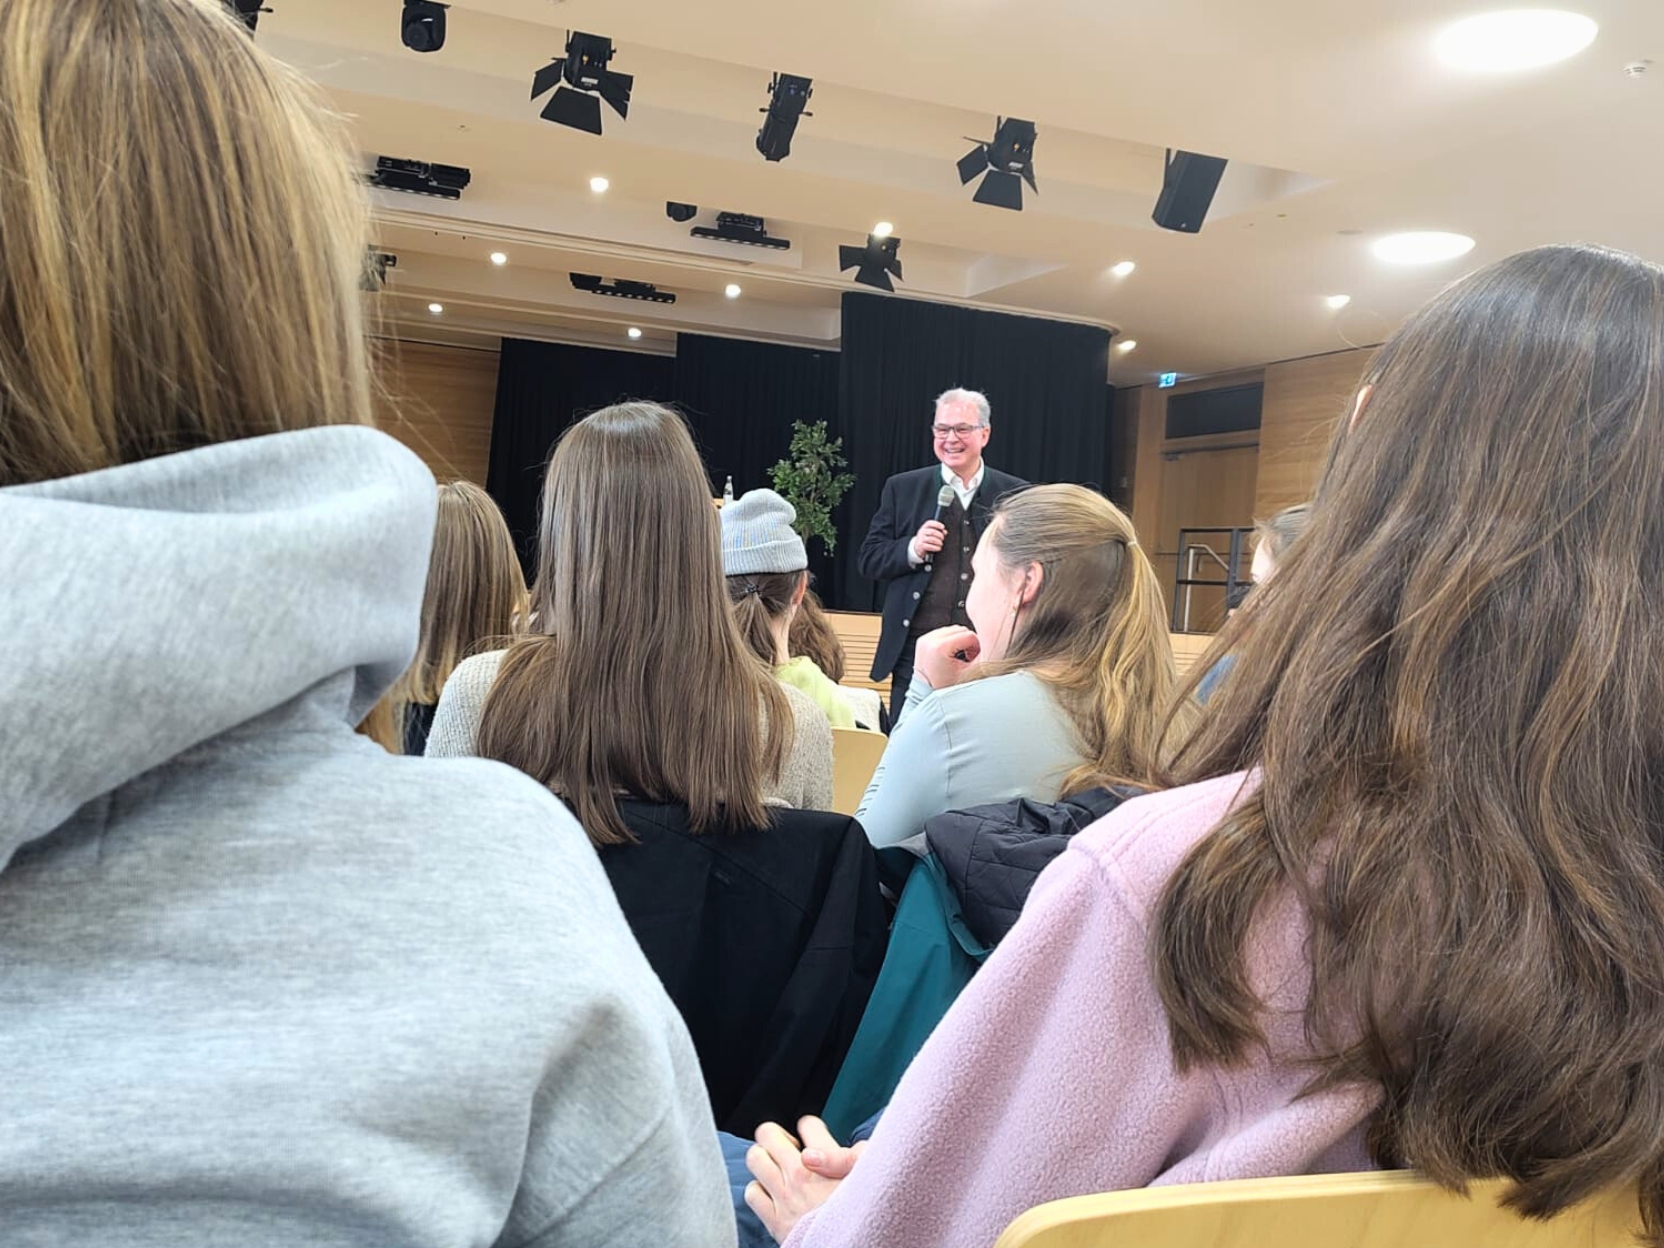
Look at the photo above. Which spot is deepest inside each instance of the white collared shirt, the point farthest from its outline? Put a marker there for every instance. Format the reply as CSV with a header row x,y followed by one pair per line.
x,y
966,490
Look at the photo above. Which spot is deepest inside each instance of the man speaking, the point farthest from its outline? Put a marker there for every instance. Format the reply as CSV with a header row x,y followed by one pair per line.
x,y
922,538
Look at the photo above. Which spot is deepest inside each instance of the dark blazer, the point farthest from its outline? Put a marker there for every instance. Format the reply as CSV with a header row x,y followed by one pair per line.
x,y
768,940
909,500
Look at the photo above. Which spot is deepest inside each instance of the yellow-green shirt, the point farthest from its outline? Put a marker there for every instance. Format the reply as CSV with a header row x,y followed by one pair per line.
x,y
802,674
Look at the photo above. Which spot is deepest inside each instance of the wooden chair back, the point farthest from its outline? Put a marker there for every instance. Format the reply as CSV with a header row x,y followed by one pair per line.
x,y
1379,1210
855,755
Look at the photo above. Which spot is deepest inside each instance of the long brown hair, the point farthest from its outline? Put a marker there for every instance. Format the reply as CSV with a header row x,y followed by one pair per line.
x,y
476,595
1451,692
1096,632
636,680
813,636
181,242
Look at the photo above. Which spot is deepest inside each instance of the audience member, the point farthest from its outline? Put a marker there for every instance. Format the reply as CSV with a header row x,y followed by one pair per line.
x,y
264,984
767,569
475,595
813,636
634,679
1273,540
1061,687
1406,906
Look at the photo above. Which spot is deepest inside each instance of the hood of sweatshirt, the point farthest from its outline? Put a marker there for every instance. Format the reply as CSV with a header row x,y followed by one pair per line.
x,y
149,608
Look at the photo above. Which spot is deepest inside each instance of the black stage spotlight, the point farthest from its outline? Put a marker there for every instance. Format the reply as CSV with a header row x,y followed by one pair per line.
x,y
423,27
376,264
246,11
583,70
787,94
1008,162
418,177
875,263
680,212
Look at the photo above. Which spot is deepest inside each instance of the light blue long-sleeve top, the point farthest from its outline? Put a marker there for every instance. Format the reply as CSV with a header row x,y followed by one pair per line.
x,y
984,741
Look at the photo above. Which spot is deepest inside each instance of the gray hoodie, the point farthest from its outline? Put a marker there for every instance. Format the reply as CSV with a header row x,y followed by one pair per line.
x,y
261,983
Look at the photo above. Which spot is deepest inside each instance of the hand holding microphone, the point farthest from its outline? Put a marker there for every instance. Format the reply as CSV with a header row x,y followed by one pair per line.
x,y
933,533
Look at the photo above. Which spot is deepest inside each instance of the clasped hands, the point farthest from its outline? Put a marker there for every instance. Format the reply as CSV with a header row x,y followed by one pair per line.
x,y
791,1178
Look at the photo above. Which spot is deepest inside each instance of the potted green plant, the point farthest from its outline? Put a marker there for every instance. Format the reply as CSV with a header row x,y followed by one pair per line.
x,y
812,478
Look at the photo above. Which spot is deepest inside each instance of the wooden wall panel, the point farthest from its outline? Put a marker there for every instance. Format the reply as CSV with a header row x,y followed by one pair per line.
x,y
1304,399
439,402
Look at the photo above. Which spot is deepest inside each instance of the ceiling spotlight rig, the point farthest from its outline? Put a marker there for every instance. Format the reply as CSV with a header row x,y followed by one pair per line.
x,y
876,263
787,95
583,81
593,284
1006,163
741,228
423,25
418,177
246,11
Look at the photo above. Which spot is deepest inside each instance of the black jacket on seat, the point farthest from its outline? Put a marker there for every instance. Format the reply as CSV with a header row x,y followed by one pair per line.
x,y
993,854
768,940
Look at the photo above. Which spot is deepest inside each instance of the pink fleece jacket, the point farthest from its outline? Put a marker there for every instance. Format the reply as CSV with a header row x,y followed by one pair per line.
x,y
1051,1076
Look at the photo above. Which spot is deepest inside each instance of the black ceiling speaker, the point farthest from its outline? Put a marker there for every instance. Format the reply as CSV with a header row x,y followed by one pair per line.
x,y
680,212
1006,164
584,81
787,94
1187,187
876,263
423,26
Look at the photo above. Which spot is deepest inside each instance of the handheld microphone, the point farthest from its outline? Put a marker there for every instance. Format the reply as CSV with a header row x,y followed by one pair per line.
x,y
944,500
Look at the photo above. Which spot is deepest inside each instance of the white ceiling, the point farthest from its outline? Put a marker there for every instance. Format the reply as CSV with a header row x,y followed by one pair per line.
x,y
1340,123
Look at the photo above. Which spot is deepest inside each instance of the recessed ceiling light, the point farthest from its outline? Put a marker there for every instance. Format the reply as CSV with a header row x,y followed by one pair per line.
x,y
1515,39
436,308
1122,269
499,258
598,184
1337,302
634,332
883,230
1421,247
732,290
1128,345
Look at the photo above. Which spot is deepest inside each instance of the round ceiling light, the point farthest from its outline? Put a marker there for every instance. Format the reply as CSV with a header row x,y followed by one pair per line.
x,y
1337,302
1514,39
598,184
634,332
1421,247
499,258
436,308
883,230
1128,345
1123,269
732,290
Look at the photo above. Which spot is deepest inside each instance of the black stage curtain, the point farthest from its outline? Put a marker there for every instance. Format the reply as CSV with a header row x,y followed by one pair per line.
x,y
741,399
541,389
1045,381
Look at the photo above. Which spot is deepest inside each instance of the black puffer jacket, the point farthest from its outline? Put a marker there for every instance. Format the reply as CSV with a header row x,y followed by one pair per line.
x,y
992,854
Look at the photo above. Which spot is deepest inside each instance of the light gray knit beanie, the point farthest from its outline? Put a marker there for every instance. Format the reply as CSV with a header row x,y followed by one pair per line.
x,y
757,535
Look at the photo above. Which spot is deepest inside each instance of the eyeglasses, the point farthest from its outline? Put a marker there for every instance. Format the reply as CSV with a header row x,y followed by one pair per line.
x,y
958,431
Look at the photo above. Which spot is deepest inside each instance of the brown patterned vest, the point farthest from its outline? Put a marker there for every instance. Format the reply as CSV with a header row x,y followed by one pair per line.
x,y
942,601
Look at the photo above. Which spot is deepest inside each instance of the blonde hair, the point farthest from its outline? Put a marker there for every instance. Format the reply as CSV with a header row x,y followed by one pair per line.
x,y
1096,632
476,593
1277,535
637,680
180,240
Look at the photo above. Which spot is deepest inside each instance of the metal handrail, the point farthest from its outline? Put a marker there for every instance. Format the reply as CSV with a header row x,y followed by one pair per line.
x,y
1185,579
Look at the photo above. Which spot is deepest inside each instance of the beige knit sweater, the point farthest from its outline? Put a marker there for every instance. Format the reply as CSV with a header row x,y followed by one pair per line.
x,y
805,781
